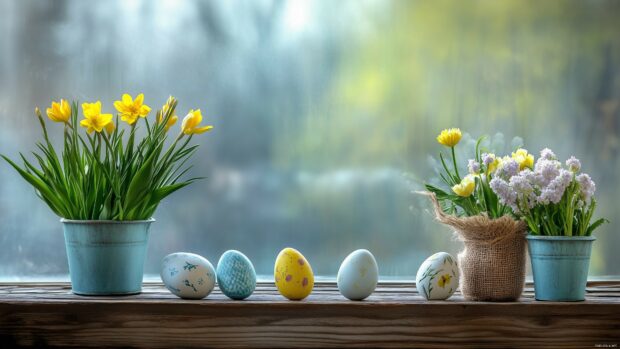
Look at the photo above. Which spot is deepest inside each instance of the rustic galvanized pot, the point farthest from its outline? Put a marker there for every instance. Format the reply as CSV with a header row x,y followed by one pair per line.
x,y
560,266
106,257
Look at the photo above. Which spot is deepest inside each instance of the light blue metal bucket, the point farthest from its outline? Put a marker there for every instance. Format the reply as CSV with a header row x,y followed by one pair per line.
x,y
560,266
106,257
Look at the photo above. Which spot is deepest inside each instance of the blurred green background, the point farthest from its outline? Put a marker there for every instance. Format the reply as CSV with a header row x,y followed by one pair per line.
x,y
325,114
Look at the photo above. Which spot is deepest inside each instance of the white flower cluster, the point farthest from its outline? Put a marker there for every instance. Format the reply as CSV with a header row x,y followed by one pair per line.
x,y
546,184
507,168
587,187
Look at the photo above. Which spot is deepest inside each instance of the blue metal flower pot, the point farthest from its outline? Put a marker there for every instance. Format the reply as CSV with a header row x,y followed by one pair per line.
x,y
560,266
106,257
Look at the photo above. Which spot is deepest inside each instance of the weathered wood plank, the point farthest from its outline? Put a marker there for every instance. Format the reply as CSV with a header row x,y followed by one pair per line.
x,y
47,314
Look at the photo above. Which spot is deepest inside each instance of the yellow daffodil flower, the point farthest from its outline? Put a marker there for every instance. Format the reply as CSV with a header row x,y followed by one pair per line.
x,y
191,123
449,137
444,280
524,159
173,120
130,109
466,187
59,112
164,110
93,119
109,128
492,166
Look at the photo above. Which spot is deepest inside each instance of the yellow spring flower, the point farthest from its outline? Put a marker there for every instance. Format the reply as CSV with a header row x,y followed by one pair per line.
x,y
173,120
59,112
493,163
130,109
192,121
449,137
444,280
109,128
164,110
524,159
93,119
466,187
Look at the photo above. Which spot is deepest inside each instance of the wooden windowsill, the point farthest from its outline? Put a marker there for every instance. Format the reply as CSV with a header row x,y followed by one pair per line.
x,y
48,314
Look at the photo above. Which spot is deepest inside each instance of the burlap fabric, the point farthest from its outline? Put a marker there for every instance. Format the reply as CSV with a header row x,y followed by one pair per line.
x,y
492,264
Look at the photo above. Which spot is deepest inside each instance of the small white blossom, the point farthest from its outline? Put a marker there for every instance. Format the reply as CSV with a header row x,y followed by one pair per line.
x,y
587,187
547,154
488,159
573,164
473,166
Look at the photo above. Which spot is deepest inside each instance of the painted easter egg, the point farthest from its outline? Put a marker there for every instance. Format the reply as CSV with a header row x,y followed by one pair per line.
x,y
188,275
358,275
236,276
293,274
438,277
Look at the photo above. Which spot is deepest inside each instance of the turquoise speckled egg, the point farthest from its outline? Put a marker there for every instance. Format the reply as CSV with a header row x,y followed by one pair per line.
x,y
235,275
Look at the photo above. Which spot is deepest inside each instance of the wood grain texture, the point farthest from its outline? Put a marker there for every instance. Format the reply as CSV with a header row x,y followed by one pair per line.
x,y
394,316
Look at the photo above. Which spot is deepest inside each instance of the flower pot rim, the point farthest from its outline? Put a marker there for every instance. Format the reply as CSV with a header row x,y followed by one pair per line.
x,y
95,222
560,238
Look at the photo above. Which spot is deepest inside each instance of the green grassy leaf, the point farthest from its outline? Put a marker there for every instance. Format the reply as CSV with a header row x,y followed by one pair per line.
x,y
595,225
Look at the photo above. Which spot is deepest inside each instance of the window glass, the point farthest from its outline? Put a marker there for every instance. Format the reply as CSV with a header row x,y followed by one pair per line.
x,y
325,114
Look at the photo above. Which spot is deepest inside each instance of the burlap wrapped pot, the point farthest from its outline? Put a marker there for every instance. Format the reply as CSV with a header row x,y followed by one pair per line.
x,y
492,264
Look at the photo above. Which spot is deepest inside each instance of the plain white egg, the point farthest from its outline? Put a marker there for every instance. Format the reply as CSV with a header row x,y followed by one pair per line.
x,y
358,275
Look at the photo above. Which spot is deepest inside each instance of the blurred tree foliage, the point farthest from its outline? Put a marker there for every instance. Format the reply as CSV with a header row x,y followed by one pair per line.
x,y
529,68
543,70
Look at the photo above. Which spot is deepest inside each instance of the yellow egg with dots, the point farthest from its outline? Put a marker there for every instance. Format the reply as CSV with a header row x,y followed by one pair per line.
x,y
293,274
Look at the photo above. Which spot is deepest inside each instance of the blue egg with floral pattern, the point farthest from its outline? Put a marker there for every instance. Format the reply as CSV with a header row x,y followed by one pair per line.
x,y
236,276
188,275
